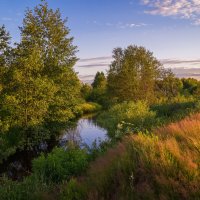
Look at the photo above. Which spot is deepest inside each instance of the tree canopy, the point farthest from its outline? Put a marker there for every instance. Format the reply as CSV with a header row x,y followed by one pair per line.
x,y
133,73
41,85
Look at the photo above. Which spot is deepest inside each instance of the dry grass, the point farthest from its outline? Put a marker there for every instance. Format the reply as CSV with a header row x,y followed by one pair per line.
x,y
164,165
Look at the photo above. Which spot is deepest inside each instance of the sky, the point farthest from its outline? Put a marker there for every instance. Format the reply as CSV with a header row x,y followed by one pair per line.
x,y
168,28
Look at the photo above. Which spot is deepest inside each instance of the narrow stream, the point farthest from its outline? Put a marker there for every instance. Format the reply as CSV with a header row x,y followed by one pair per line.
x,y
84,133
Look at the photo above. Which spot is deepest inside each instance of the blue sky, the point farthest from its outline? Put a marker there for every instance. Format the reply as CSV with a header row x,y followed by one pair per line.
x,y
169,28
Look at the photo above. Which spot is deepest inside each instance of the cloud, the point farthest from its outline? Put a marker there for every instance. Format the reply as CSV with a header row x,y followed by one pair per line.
x,y
103,61
121,25
86,78
187,72
179,61
94,65
130,25
185,9
182,68
6,19
96,59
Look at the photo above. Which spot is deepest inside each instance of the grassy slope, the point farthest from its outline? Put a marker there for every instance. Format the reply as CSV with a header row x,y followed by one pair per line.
x,y
164,165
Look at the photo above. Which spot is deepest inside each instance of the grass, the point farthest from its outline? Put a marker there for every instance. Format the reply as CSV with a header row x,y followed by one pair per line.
x,y
48,173
138,116
163,165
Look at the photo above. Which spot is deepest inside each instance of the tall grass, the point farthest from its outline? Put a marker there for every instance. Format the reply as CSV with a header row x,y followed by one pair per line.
x,y
163,165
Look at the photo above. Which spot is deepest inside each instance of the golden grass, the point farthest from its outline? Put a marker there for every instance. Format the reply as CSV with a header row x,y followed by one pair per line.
x,y
163,165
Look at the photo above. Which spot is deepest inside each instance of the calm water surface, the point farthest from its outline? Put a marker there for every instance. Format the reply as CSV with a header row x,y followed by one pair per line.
x,y
84,133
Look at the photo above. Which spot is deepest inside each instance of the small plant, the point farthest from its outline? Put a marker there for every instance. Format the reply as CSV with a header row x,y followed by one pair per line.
x,y
128,117
60,164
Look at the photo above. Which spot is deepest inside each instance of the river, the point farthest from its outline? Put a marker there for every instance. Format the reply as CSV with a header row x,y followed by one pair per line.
x,y
85,132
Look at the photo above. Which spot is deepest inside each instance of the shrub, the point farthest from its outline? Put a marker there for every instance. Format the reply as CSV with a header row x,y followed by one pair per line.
x,y
175,111
137,116
60,164
30,188
88,107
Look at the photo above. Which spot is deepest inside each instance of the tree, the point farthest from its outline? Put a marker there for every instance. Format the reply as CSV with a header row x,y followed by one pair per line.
x,y
86,91
189,85
99,86
132,74
45,28
4,53
42,86
169,86
99,80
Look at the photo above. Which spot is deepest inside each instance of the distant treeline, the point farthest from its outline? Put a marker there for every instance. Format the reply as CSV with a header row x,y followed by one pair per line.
x,y
135,75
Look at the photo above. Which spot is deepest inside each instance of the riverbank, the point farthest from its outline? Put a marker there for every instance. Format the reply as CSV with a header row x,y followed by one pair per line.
x,y
66,164
163,164
83,133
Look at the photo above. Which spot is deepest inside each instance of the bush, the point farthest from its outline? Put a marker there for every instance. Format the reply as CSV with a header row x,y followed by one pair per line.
x,y
87,108
175,111
60,165
30,188
131,116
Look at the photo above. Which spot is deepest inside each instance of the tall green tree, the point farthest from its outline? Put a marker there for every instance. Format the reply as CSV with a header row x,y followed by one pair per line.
x,y
132,74
42,86
169,86
99,90
86,91
4,54
46,29
99,80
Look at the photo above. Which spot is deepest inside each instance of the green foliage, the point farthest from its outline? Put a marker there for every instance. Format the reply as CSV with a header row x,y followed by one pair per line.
x,y
175,111
45,29
88,107
169,86
132,74
4,52
99,91
38,85
60,165
124,118
138,114
99,80
73,191
86,91
31,188
191,86
10,142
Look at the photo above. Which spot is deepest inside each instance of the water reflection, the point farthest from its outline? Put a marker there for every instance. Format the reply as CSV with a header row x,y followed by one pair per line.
x,y
85,133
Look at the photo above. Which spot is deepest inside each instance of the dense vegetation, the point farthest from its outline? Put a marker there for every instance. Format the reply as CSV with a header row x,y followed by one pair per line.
x,y
163,164
150,155
39,88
